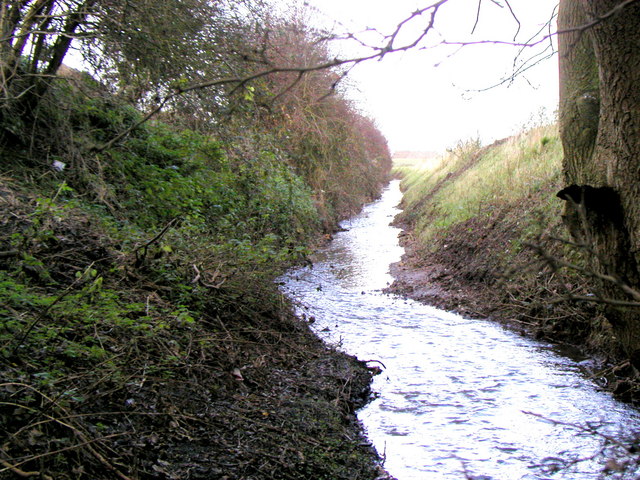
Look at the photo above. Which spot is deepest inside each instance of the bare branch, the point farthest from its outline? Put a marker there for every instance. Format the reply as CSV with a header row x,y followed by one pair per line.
x,y
591,429
379,52
289,87
238,82
607,301
389,47
477,17
558,262
597,20
532,43
515,18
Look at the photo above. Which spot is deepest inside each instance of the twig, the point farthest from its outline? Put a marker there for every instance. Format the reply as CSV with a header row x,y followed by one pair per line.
x,y
73,447
477,17
581,428
198,279
608,370
22,473
155,239
607,301
513,14
86,442
555,262
376,361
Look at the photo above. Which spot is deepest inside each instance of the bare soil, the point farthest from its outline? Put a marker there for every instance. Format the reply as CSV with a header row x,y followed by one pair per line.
x,y
465,274
470,270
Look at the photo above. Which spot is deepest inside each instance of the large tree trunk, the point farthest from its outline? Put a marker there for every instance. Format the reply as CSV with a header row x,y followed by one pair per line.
x,y
599,54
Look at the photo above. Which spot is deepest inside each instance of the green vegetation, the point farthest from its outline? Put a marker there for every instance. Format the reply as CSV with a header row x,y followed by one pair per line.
x,y
470,181
486,226
141,332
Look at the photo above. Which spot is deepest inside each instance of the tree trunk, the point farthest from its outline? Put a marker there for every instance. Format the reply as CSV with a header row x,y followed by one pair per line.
x,y
63,42
599,54
56,55
11,57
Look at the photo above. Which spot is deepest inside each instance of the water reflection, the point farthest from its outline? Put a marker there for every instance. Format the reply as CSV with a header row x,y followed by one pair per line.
x,y
457,395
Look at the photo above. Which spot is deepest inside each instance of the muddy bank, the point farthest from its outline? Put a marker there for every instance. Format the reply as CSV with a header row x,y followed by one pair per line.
x,y
468,270
435,284
453,278
107,372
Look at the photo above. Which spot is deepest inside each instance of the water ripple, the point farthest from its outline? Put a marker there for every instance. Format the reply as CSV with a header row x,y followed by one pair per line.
x,y
455,394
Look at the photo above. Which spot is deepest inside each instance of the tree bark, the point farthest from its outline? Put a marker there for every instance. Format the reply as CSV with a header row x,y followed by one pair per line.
x,y
599,55
63,42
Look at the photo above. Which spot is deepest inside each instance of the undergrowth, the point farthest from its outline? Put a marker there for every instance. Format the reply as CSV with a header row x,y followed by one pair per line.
x,y
141,333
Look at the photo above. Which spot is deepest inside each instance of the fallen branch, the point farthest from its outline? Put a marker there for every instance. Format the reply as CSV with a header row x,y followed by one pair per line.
x,y
198,279
22,473
154,239
376,361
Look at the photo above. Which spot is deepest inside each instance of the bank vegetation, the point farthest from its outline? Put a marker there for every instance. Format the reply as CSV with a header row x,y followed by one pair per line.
x,y
485,237
142,335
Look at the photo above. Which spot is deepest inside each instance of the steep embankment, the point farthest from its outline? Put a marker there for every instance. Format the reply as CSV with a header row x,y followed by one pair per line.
x,y
111,371
484,237
141,333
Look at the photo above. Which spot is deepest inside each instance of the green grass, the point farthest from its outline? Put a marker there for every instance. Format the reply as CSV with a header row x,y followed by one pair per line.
x,y
469,181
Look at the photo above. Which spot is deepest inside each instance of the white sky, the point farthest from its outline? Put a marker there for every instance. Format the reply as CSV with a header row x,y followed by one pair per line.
x,y
423,100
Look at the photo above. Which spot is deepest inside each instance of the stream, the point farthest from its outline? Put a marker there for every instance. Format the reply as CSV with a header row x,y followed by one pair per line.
x,y
459,398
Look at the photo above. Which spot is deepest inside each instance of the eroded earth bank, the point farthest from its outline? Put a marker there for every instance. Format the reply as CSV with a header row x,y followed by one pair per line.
x,y
484,237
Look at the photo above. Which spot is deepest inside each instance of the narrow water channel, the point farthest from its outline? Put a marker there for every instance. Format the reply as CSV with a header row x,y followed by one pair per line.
x,y
458,398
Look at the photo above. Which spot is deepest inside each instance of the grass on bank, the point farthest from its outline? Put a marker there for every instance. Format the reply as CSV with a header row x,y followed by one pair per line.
x,y
487,221
470,181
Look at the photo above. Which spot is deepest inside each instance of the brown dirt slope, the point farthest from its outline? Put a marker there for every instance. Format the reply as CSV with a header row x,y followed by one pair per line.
x,y
489,267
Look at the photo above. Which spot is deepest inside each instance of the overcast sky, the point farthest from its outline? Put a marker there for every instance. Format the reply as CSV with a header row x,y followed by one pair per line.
x,y
427,99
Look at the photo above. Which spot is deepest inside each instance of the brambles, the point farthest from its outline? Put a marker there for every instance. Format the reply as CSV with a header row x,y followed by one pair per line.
x,y
142,224
120,330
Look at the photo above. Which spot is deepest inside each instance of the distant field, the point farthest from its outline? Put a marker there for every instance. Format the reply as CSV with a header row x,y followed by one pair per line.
x,y
415,154
417,163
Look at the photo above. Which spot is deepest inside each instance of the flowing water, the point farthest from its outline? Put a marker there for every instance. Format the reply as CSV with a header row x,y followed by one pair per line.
x,y
459,398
